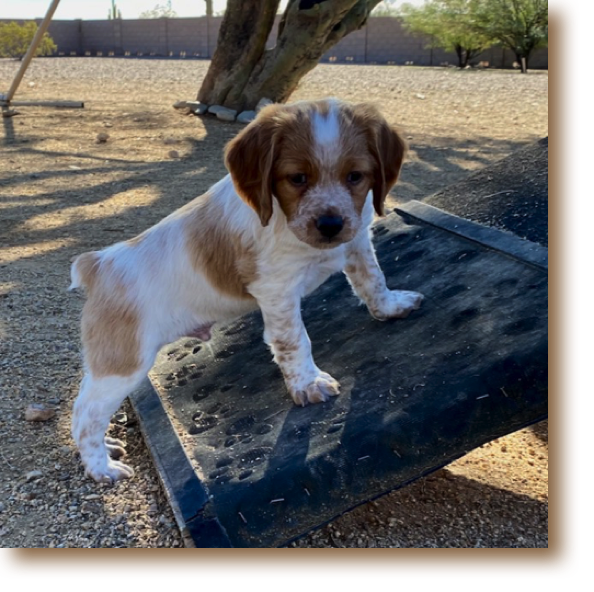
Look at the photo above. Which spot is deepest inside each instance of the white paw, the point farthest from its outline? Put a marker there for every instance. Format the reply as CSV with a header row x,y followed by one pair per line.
x,y
115,447
110,472
316,389
397,304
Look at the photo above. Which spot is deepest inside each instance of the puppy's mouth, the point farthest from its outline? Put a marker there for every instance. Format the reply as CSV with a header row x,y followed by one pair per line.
x,y
323,242
324,232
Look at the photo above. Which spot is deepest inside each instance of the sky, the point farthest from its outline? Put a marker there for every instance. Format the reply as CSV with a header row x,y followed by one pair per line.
x,y
97,9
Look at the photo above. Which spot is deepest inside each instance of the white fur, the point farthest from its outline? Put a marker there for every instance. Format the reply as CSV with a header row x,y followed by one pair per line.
x,y
326,129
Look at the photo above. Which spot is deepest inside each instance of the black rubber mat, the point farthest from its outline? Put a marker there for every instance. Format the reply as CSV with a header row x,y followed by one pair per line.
x,y
244,467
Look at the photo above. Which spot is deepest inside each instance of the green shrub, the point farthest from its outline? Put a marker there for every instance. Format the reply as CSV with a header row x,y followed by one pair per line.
x,y
15,40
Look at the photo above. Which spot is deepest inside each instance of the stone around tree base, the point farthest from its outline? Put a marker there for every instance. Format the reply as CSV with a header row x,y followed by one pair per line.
x,y
246,116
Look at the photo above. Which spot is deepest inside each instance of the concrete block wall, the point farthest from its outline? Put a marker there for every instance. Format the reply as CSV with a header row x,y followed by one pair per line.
x,y
145,36
66,35
350,49
189,37
382,41
95,36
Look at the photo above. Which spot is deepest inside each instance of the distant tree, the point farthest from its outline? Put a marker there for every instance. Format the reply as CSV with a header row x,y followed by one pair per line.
x,y
243,70
159,11
15,40
449,24
209,10
520,25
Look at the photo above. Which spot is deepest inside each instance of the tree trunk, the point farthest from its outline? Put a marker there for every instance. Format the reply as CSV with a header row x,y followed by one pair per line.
x,y
243,71
241,43
522,59
462,56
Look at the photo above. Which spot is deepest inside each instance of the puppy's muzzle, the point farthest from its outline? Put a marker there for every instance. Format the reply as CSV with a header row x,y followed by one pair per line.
x,y
329,226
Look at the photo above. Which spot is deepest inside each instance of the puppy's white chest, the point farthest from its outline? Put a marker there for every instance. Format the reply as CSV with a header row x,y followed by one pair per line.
x,y
321,268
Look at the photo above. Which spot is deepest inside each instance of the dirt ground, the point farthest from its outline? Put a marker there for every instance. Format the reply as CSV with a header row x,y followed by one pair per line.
x,y
62,192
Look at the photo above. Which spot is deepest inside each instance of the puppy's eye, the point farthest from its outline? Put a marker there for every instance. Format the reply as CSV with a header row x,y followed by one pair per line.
x,y
299,179
354,177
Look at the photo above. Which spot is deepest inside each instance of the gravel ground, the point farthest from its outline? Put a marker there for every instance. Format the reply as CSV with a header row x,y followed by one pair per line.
x,y
63,192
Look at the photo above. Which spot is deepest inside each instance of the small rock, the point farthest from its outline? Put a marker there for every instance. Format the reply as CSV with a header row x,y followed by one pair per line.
x,y
102,137
214,109
173,154
227,115
420,96
33,475
169,141
262,103
197,107
36,412
89,508
180,105
246,116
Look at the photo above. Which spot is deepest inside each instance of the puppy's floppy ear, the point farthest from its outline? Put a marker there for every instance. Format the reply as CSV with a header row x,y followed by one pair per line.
x,y
249,158
391,149
388,149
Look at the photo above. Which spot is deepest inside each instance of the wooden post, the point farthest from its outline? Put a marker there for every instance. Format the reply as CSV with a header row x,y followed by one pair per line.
x,y
31,51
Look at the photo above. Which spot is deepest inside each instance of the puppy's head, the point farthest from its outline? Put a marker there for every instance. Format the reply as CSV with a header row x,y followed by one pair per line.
x,y
319,160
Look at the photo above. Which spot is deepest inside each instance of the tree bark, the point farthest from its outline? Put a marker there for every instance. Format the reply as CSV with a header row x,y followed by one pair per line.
x,y
243,71
242,39
465,54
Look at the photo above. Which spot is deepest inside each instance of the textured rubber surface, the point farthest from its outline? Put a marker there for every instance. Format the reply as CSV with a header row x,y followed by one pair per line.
x,y
469,366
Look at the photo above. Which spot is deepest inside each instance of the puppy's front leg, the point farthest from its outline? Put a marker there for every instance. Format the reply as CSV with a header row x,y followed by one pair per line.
x,y
368,282
285,334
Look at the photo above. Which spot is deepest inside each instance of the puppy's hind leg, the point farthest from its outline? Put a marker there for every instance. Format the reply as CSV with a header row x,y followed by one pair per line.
x,y
98,400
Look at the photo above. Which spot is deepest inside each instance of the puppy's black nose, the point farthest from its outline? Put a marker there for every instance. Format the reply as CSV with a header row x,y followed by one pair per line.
x,y
329,226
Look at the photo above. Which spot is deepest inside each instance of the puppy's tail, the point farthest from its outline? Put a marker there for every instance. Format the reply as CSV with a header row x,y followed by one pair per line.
x,y
83,272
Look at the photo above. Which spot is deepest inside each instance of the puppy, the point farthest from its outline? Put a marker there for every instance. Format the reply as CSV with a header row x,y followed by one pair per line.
x,y
305,180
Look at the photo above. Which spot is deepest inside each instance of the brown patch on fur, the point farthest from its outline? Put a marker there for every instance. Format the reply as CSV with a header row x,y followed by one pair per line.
x,y
249,158
110,327
227,261
386,145
294,155
321,106
276,144
359,271
285,346
284,355
86,266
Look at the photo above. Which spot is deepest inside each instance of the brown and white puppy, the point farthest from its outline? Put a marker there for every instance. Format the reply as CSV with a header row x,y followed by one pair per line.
x,y
304,182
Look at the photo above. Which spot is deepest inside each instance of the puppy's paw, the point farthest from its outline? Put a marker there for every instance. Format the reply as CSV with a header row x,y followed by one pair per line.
x,y
115,447
112,471
316,389
397,304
